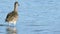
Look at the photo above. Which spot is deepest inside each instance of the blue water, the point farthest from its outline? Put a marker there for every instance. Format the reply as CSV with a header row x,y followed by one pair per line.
x,y
35,16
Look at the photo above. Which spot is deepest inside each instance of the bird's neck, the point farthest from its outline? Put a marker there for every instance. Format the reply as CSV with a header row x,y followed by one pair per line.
x,y
15,8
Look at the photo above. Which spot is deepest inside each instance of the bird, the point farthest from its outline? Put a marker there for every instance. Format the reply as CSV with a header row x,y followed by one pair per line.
x,y
12,17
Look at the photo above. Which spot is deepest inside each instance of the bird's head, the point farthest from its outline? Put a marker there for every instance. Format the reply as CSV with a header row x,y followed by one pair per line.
x,y
16,3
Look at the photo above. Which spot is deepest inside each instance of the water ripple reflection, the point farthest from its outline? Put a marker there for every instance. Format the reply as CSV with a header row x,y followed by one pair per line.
x,y
11,30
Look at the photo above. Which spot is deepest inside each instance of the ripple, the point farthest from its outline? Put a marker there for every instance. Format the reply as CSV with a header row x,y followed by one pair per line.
x,y
39,30
37,25
3,25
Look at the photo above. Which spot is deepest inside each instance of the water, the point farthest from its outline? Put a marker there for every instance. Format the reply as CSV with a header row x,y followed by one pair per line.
x,y
35,17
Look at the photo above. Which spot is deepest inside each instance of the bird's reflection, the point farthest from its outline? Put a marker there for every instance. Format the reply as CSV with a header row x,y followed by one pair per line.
x,y
11,30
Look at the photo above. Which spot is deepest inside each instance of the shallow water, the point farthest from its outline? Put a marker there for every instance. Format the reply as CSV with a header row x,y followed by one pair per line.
x,y
35,17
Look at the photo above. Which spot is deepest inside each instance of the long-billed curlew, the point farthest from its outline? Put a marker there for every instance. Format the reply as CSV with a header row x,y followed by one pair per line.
x,y
13,16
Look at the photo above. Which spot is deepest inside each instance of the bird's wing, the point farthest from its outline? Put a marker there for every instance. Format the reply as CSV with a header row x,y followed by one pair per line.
x,y
11,16
8,16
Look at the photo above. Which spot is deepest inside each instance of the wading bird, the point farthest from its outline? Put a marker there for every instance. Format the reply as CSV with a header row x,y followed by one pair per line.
x,y
13,16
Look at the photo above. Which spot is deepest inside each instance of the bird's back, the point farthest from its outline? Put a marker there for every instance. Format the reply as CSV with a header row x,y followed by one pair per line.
x,y
12,16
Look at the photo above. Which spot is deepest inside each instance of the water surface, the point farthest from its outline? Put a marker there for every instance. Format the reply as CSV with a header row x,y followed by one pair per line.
x,y
35,16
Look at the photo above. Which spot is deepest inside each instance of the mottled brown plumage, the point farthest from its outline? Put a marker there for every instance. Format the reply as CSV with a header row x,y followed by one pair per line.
x,y
13,16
